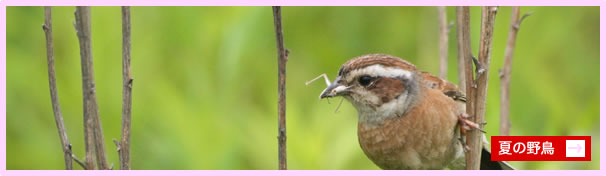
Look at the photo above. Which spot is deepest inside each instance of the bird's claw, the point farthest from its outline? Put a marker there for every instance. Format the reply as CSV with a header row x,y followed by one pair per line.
x,y
467,125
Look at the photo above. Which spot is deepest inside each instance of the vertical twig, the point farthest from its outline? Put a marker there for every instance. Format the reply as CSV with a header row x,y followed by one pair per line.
x,y
282,58
464,64
464,54
463,47
443,41
48,31
93,132
505,74
127,81
88,121
480,87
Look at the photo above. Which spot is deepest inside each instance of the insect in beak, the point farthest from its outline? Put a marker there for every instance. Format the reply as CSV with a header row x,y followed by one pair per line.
x,y
335,89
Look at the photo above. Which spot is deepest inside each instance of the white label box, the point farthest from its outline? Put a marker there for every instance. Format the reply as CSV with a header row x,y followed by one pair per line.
x,y
575,148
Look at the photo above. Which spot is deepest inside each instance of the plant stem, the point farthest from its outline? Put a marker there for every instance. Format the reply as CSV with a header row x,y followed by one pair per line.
x,y
282,58
48,31
505,73
480,87
93,132
127,81
443,41
463,47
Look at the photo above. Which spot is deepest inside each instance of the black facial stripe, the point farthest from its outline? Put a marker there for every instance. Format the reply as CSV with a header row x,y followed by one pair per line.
x,y
365,80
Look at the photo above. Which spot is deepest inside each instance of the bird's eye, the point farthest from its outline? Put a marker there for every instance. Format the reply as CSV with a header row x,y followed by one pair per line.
x,y
365,80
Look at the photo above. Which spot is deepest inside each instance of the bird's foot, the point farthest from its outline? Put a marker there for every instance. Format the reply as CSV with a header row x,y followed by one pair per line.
x,y
467,125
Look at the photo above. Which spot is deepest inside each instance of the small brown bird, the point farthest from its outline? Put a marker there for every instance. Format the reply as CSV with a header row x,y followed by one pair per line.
x,y
407,119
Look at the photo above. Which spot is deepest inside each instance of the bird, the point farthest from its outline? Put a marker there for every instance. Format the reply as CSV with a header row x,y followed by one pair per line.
x,y
407,119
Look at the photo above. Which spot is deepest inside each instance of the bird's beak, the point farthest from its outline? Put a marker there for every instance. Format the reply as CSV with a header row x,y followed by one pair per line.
x,y
335,89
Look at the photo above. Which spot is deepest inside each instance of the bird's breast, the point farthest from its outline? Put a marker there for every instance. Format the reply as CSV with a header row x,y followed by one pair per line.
x,y
421,139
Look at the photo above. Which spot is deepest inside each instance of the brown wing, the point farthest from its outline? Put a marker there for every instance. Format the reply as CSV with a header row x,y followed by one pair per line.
x,y
448,88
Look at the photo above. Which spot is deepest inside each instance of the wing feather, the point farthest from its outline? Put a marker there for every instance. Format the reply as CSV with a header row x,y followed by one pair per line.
x,y
449,89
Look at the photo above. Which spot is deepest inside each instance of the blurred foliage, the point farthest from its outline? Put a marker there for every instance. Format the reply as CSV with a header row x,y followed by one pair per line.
x,y
204,93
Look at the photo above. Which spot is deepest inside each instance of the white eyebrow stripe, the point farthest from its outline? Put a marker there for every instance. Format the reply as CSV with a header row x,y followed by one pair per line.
x,y
380,71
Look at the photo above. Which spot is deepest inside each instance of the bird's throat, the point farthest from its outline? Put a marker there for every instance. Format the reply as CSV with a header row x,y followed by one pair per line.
x,y
374,116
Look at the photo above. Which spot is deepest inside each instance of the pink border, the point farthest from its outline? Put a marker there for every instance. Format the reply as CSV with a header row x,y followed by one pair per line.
x,y
3,85
302,2
4,3
300,172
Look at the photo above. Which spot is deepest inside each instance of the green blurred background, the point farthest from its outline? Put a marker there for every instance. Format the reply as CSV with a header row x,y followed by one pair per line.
x,y
205,85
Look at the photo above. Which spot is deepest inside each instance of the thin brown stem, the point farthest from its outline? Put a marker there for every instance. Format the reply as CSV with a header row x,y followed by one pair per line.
x,y
443,41
465,67
89,146
480,87
80,162
282,58
463,47
93,132
505,73
127,82
464,54
48,31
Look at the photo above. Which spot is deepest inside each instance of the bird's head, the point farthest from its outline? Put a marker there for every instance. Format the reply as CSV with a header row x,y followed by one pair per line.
x,y
377,85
